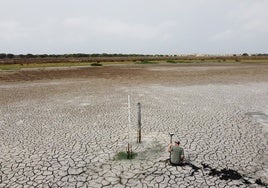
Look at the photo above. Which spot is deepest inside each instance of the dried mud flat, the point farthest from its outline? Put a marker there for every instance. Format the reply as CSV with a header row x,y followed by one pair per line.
x,y
62,127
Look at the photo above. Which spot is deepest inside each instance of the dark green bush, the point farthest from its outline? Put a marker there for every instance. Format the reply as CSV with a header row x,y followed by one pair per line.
x,y
124,156
96,64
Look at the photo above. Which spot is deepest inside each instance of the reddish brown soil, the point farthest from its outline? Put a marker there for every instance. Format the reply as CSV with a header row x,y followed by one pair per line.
x,y
162,73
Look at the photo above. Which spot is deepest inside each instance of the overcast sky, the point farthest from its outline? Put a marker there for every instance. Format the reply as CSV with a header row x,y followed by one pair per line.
x,y
133,26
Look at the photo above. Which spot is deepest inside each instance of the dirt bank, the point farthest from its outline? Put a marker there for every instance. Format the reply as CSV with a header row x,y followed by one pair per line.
x,y
166,73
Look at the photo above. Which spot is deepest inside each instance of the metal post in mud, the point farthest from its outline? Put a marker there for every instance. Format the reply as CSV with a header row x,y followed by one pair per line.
x,y
129,147
170,134
139,123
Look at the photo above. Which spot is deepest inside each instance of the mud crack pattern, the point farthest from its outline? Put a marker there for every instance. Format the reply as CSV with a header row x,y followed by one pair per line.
x,y
65,133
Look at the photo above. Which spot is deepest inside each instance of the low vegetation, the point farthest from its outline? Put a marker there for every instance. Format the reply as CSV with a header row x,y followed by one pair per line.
x,y
16,62
147,62
96,64
178,61
41,65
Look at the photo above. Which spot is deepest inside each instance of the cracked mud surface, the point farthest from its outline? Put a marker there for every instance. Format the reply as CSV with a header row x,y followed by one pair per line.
x,y
62,128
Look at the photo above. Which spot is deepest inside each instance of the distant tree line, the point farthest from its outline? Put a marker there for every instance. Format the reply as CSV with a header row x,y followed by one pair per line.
x,y
82,55
77,55
8,58
259,54
2,56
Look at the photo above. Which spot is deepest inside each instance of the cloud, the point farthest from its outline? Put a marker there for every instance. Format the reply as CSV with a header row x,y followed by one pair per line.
x,y
72,23
11,30
153,26
250,16
117,28
222,36
103,27
242,28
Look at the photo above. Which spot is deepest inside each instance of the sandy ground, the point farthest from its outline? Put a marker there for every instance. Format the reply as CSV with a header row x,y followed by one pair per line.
x,y
63,127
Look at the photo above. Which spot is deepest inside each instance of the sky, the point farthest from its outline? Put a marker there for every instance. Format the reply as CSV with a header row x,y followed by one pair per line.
x,y
134,26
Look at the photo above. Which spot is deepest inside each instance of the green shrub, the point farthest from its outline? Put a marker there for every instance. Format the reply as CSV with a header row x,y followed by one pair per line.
x,y
124,156
146,62
180,61
96,64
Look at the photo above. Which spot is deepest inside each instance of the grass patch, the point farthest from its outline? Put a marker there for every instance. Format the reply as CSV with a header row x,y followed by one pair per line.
x,y
172,61
123,156
10,67
180,61
146,62
41,65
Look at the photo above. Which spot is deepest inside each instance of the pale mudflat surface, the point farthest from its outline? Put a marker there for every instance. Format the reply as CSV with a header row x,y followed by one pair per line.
x,y
63,127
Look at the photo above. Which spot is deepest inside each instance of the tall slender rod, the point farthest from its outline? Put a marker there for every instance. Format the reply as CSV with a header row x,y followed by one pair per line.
x,y
129,149
139,123
170,134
